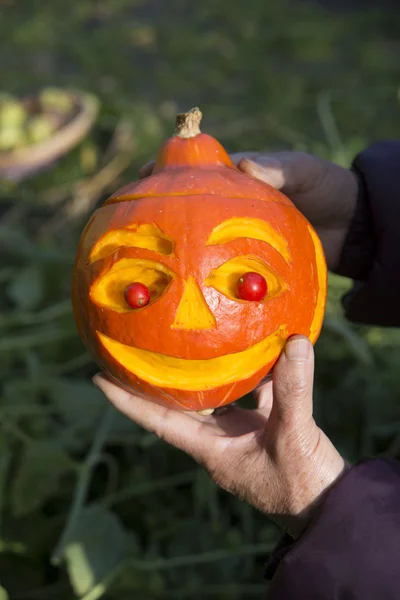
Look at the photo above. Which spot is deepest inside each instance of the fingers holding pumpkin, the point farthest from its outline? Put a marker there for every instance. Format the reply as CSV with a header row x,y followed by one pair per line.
x,y
186,431
285,171
246,161
147,169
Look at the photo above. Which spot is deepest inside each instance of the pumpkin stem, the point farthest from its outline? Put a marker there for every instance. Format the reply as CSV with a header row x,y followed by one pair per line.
x,y
188,124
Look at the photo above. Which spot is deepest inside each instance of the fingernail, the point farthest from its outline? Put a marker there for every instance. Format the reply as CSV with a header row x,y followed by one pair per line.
x,y
298,349
95,379
252,163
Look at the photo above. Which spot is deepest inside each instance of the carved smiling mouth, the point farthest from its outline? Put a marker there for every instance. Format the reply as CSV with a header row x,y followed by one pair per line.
x,y
195,375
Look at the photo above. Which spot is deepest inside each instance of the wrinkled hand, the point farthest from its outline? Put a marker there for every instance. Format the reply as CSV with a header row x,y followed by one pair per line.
x,y
324,192
274,457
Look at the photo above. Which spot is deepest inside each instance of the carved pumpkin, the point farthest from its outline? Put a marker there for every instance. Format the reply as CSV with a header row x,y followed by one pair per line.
x,y
188,234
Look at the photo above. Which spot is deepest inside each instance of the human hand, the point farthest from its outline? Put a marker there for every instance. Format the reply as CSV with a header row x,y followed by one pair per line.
x,y
273,457
325,193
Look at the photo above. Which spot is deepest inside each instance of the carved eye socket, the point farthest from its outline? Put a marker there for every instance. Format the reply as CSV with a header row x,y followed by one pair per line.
x,y
225,277
109,290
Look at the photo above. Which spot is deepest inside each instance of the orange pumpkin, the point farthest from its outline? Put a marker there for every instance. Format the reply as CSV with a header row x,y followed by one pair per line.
x,y
187,234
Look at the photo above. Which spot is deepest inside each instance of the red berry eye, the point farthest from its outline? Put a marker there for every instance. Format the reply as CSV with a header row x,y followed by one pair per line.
x,y
137,295
252,286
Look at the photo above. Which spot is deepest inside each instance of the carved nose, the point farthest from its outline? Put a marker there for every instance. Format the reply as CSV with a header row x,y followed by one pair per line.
x,y
193,312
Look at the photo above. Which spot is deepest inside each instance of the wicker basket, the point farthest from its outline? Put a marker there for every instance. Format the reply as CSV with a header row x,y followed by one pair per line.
x,y
24,162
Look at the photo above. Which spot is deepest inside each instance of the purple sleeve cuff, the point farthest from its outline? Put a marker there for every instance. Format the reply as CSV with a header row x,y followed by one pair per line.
x,y
351,549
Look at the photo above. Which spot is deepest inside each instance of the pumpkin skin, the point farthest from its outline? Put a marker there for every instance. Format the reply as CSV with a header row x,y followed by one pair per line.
x,y
188,232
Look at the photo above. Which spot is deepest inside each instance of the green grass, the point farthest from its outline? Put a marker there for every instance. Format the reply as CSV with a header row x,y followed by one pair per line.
x,y
90,505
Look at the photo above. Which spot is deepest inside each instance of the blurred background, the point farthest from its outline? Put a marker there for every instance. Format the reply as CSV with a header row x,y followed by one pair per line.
x,y
90,505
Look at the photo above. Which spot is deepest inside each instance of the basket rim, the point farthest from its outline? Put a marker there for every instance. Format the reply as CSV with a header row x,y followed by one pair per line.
x,y
39,154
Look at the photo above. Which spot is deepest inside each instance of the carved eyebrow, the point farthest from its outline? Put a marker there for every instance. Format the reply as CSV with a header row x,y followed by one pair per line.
x,y
147,236
236,228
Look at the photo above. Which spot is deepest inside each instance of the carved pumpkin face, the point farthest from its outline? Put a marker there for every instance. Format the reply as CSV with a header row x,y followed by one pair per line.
x,y
196,344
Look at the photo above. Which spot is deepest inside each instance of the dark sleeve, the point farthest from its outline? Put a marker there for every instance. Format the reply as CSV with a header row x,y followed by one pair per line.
x,y
351,550
371,253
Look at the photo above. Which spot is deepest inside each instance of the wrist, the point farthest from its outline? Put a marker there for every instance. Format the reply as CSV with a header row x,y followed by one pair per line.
x,y
309,486
298,523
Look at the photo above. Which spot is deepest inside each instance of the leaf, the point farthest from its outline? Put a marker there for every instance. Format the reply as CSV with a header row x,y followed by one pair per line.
x,y
94,548
26,289
3,594
78,400
15,241
5,461
82,404
37,479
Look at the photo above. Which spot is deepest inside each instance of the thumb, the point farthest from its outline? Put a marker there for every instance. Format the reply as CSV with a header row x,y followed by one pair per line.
x,y
292,383
270,170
